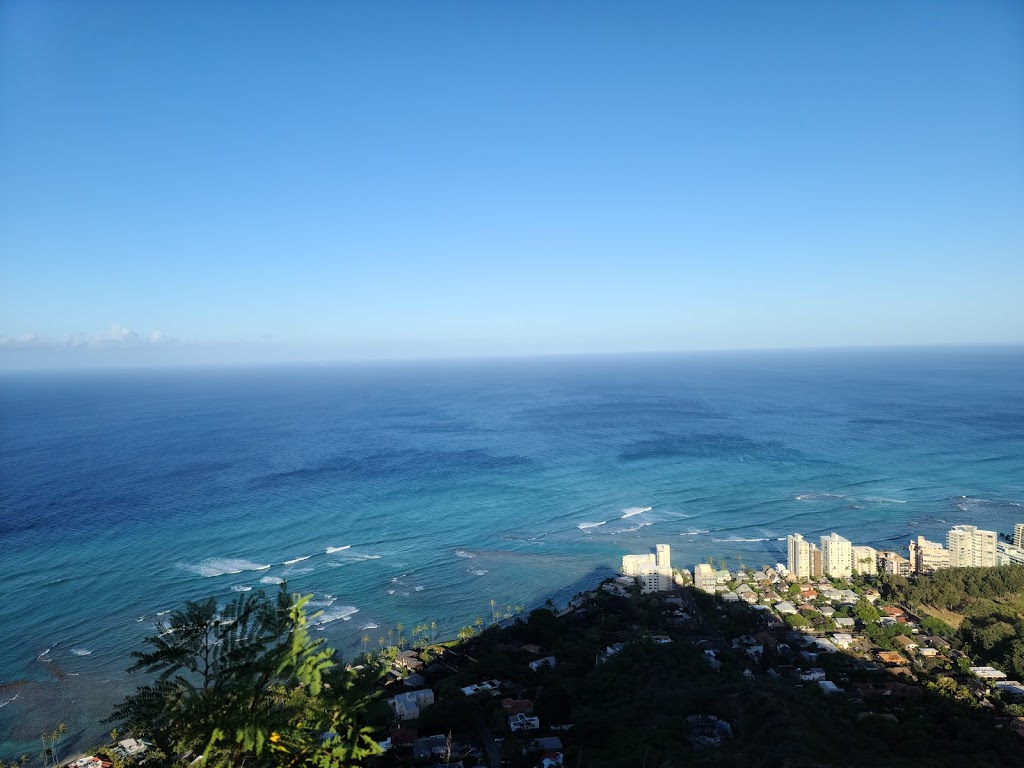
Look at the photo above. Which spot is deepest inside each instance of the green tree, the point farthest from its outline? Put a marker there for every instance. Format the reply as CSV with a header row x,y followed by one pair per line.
x,y
866,612
246,680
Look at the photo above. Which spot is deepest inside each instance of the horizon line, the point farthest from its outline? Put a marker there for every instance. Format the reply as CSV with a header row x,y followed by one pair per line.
x,y
498,357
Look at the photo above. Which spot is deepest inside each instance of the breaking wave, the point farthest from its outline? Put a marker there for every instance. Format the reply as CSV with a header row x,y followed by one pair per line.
x,y
81,651
634,511
329,616
585,526
296,560
222,566
477,571
271,580
464,553
332,550
241,588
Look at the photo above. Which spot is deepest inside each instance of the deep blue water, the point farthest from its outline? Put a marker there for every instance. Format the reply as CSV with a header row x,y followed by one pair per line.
x,y
124,493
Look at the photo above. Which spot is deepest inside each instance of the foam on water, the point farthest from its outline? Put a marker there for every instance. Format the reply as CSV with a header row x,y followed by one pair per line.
x,y
223,566
585,526
332,550
630,511
477,571
241,588
331,615
81,651
271,580
464,553
295,560
8,701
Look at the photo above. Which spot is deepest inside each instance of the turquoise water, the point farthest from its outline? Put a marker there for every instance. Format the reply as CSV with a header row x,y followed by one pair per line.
x,y
419,492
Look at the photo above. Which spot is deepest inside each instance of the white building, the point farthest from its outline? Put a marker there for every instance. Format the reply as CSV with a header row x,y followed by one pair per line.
x,y
407,706
865,560
799,563
521,722
970,547
704,578
927,556
836,556
653,570
1018,535
547,661
1007,554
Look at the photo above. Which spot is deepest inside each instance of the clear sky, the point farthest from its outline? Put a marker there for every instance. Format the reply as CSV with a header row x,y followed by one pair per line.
x,y
265,181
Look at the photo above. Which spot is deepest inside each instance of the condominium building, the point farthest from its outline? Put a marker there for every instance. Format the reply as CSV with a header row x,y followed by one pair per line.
x,y
865,560
799,563
836,556
1008,554
970,547
704,578
893,563
1018,535
817,565
927,556
653,570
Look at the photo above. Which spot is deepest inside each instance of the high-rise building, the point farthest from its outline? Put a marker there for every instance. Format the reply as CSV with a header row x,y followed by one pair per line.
x,y
1007,554
893,563
969,547
817,567
663,555
653,571
927,556
704,577
799,563
836,556
1018,535
864,560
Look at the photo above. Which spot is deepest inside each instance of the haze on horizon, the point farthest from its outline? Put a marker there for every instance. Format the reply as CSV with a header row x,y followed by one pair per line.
x,y
191,183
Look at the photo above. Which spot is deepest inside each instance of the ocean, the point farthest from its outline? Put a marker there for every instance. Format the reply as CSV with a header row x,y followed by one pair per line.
x,y
419,492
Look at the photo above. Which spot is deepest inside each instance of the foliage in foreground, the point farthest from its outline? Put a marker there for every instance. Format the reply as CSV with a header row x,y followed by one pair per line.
x,y
248,683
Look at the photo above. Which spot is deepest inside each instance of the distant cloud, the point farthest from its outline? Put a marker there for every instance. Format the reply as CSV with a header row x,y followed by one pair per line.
x,y
118,337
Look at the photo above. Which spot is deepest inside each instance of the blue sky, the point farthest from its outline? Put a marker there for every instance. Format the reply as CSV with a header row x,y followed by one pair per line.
x,y
186,182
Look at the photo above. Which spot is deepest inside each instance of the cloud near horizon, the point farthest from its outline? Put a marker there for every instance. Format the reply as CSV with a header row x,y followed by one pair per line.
x,y
118,337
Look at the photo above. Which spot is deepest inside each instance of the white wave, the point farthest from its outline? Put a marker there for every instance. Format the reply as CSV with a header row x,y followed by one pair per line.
x,y
476,571
5,703
694,532
81,651
296,560
882,500
391,591
371,625
326,602
366,557
464,553
43,654
420,589
163,613
818,496
584,526
332,550
341,613
738,539
634,511
271,580
222,566
241,588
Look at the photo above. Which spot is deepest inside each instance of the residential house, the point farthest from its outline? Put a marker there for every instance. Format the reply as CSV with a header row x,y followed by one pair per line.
x,y
407,706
